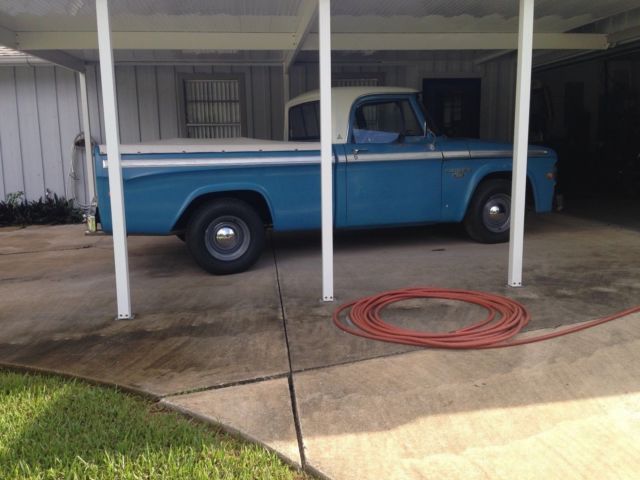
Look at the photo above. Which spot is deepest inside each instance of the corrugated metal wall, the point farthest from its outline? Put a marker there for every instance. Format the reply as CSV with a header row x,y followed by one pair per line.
x,y
39,118
40,109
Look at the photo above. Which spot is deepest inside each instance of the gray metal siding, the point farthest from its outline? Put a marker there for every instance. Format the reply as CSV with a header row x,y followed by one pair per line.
x,y
10,145
49,137
40,108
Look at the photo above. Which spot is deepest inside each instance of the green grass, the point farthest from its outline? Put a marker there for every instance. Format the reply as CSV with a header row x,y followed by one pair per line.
x,y
53,428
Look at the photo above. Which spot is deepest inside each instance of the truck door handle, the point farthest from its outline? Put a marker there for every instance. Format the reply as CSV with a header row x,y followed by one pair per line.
x,y
358,151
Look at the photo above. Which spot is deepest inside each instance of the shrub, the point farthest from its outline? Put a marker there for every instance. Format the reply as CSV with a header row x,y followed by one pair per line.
x,y
49,210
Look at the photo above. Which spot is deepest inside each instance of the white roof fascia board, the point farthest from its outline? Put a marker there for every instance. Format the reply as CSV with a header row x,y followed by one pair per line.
x,y
282,41
308,11
625,36
155,41
20,61
458,41
59,58
8,37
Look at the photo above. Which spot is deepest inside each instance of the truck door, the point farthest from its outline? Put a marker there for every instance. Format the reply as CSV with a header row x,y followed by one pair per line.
x,y
393,173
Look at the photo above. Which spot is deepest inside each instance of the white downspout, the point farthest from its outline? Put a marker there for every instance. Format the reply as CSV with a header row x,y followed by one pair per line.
x,y
326,147
107,76
521,142
86,127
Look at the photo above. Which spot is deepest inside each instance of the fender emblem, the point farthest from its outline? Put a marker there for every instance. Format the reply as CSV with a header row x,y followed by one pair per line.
x,y
458,172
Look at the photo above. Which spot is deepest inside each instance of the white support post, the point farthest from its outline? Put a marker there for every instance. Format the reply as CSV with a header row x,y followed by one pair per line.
x,y
521,142
107,77
326,147
86,127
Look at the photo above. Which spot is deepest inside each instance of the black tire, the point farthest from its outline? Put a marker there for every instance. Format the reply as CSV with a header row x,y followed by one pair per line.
x,y
488,216
226,236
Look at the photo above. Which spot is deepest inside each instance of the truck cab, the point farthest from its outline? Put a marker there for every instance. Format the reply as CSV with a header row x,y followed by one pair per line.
x,y
399,170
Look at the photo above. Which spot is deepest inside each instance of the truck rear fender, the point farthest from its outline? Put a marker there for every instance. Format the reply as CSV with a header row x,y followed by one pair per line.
x,y
254,195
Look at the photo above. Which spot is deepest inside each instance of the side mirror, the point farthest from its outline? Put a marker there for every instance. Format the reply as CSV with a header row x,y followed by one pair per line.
x,y
428,134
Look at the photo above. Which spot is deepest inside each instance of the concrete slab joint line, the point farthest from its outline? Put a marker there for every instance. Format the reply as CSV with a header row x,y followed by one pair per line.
x,y
292,390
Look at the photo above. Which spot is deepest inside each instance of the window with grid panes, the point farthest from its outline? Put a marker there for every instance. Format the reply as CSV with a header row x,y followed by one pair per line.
x,y
213,107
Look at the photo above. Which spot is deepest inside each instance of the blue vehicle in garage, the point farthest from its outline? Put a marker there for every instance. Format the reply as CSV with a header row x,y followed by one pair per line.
x,y
390,168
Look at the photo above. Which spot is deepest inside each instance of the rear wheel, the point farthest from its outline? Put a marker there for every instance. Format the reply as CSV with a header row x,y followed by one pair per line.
x,y
488,217
226,236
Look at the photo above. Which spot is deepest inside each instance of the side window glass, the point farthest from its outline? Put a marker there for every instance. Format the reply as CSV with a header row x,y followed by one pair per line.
x,y
304,124
412,127
384,122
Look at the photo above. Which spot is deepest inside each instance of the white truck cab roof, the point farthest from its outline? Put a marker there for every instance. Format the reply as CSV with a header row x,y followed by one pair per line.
x,y
342,100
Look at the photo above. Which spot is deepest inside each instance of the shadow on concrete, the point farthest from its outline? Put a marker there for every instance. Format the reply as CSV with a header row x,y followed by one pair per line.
x,y
191,330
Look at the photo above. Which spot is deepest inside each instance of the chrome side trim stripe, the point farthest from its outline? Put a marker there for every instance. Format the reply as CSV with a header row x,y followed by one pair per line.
x,y
538,153
390,157
455,154
313,159
216,162
504,153
490,153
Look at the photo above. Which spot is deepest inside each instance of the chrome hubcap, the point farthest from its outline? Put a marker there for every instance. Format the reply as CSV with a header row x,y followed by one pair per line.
x,y
227,238
496,214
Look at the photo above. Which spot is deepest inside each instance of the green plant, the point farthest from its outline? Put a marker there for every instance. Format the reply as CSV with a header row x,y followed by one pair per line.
x,y
49,210
15,198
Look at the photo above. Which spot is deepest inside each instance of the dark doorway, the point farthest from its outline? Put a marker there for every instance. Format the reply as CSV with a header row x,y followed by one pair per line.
x,y
454,105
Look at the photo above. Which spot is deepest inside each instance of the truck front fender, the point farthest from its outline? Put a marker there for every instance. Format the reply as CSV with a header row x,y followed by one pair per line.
x,y
462,177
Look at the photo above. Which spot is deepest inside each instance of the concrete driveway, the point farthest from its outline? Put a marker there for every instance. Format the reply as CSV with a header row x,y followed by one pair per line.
x,y
257,352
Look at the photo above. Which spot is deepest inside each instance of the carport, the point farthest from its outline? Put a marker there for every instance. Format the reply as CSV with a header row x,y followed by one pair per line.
x,y
61,31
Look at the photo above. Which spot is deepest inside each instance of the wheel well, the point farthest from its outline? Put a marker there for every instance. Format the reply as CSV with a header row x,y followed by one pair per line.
x,y
531,201
255,199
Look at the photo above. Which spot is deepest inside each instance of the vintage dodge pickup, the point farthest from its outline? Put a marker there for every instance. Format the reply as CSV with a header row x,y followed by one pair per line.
x,y
390,168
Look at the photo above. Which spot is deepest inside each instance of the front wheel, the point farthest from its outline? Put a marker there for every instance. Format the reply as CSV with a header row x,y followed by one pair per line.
x,y
226,236
488,217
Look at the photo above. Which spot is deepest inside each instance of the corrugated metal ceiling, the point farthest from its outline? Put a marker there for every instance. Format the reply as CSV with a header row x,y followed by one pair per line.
x,y
280,15
479,8
82,8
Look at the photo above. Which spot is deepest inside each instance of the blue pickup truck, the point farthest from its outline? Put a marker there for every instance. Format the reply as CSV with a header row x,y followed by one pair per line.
x,y
390,168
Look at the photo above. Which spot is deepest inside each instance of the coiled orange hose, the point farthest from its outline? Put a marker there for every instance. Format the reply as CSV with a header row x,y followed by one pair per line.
x,y
505,319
